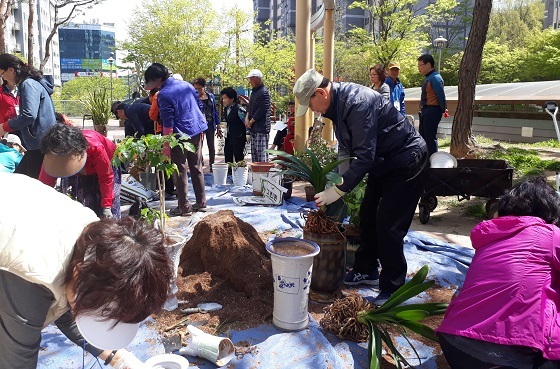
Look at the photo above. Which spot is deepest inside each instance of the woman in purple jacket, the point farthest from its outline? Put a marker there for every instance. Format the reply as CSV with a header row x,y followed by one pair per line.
x,y
506,314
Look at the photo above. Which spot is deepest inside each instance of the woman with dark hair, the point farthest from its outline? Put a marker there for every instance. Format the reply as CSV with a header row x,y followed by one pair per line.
x,y
506,314
83,160
377,78
235,131
36,110
210,112
95,279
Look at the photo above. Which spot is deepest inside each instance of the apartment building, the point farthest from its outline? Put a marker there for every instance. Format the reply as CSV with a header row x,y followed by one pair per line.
x,y
551,14
16,34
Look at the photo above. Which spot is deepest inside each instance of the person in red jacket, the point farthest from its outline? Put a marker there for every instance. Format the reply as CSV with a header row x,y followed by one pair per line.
x,y
8,103
83,160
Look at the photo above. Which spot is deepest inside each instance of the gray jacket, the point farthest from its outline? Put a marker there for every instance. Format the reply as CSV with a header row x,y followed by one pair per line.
x,y
259,109
36,112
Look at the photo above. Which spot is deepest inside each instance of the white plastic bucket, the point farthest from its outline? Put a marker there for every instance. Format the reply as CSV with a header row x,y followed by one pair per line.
x,y
292,263
239,176
219,171
174,253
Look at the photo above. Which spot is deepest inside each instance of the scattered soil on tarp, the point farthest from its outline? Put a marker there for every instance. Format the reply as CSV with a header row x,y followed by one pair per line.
x,y
225,261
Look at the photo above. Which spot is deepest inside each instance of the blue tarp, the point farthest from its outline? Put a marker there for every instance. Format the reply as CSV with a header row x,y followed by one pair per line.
x,y
310,348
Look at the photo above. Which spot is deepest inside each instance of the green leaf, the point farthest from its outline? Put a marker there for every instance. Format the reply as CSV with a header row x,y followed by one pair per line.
x,y
412,314
420,329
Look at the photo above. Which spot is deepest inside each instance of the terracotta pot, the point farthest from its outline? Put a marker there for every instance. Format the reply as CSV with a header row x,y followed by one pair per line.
x,y
101,128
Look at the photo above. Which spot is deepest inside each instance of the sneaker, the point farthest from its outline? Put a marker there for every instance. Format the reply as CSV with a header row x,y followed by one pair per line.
x,y
380,299
354,278
175,212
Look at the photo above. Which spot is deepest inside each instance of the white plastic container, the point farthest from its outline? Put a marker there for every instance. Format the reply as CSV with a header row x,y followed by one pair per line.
x,y
218,350
174,253
239,176
292,263
219,171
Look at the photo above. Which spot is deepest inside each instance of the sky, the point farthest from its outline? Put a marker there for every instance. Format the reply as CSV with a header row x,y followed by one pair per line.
x,y
120,11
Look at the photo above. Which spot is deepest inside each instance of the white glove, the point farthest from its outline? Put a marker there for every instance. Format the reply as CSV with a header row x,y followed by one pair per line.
x,y
106,213
127,360
328,196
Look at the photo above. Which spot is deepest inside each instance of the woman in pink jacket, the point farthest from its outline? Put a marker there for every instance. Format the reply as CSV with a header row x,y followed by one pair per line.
x,y
506,314
83,160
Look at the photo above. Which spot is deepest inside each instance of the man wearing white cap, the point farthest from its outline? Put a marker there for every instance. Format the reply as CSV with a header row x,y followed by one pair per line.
x,y
258,117
95,279
393,155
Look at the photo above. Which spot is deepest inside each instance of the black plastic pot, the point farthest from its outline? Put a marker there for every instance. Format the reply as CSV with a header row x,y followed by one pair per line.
x,y
288,184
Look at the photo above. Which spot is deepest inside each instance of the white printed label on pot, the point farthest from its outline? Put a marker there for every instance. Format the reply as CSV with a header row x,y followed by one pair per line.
x,y
287,284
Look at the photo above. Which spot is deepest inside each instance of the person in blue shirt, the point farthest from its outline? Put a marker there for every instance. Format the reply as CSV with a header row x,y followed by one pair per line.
x,y
11,153
397,89
432,102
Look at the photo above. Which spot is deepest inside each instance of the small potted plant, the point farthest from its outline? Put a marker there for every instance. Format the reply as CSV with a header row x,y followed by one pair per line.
x,y
98,105
239,172
147,152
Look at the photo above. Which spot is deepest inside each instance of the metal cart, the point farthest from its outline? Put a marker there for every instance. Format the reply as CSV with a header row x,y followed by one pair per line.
x,y
472,177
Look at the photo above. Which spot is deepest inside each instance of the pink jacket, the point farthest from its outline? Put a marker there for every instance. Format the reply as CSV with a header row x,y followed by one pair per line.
x,y
511,294
99,155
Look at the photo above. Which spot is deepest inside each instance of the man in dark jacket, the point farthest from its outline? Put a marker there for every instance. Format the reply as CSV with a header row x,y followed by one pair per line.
x,y
137,116
258,116
235,130
391,152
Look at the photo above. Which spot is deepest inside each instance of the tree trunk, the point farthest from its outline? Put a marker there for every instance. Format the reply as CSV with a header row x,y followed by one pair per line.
x,y
5,12
31,33
462,143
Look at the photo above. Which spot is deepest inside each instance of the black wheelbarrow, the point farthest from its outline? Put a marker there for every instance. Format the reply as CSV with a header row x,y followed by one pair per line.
x,y
472,177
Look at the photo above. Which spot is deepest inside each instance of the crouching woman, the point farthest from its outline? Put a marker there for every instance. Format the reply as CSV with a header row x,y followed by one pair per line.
x,y
506,314
95,279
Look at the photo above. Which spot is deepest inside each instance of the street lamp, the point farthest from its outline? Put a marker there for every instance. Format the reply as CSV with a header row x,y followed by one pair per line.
x,y
111,60
440,43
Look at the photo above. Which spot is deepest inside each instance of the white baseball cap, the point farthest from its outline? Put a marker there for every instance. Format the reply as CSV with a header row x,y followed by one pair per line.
x,y
304,88
254,73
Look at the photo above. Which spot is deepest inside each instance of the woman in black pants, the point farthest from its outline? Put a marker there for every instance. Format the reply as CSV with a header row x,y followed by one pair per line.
x,y
235,131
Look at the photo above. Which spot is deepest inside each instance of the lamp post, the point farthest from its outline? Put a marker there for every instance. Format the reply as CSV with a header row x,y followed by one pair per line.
x,y
111,60
440,43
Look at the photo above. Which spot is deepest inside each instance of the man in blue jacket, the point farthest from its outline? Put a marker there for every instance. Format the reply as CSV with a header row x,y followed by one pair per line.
x,y
180,112
397,89
258,117
137,117
432,102
391,152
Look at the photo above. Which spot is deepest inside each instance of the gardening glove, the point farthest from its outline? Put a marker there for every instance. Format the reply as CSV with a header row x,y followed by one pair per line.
x,y
167,150
127,360
106,213
328,196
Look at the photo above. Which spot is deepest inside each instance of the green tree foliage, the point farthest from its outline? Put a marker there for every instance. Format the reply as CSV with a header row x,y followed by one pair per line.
x,y
276,59
514,22
67,99
181,34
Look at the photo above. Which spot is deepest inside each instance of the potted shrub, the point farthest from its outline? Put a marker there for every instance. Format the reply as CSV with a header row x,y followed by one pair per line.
x,y
98,105
239,172
329,266
356,319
